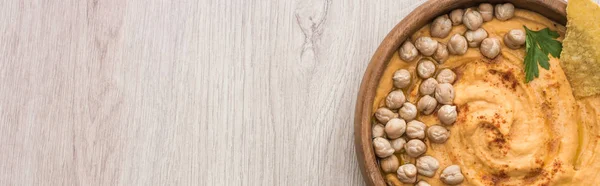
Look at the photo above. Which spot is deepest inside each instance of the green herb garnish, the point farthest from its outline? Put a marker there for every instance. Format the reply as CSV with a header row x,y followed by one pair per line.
x,y
538,44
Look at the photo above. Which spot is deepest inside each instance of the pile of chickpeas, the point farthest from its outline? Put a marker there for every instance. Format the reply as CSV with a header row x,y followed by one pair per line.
x,y
398,130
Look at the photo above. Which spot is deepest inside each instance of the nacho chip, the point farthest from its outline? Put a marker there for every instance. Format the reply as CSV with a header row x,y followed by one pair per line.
x,y
580,57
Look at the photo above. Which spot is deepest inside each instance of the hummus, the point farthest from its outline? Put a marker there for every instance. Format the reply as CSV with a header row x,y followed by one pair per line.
x,y
509,132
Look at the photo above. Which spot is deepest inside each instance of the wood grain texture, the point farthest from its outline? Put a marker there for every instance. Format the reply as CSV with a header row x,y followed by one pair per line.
x,y
209,92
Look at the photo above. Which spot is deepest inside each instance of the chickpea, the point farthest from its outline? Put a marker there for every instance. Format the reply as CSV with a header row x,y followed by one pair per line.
x,y
378,130
428,86
408,111
487,11
389,164
382,147
426,45
395,99
441,53
438,134
456,16
422,183
407,173
425,68
395,128
490,47
457,45
444,93
408,51
504,11
441,26
414,148
398,144
415,130
514,39
446,76
401,78
472,19
426,104
383,115
475,37
452,175
427,166
447,114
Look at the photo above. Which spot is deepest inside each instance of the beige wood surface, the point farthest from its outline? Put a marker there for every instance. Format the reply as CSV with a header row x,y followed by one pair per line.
x,y
209,92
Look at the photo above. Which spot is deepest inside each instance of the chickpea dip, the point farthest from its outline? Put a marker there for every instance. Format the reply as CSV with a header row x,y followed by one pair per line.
x,y
506,131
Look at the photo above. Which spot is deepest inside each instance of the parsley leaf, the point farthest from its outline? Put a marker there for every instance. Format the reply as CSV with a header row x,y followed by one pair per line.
x,y
538,44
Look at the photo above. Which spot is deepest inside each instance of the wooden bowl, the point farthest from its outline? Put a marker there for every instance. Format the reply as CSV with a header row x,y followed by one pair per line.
x,y
424,14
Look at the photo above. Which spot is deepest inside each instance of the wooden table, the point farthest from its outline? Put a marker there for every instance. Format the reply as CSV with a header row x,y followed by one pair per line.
x,y
209,92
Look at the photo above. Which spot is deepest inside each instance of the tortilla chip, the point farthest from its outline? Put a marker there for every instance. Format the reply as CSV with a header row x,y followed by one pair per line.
x,y
580,57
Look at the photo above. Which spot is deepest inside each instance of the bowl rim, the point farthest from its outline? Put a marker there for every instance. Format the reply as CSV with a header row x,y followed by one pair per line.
x,y
419,17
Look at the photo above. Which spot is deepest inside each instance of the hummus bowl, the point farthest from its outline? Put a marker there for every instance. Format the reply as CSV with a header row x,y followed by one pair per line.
x,y
483,163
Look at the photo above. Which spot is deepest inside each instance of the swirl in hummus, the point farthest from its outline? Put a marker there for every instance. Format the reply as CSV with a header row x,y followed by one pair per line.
x,y
509,132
